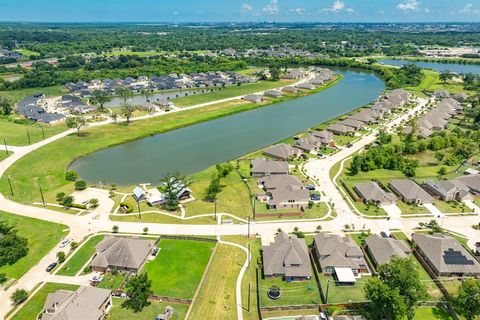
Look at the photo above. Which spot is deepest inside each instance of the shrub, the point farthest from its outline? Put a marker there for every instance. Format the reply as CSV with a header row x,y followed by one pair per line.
x,y
94,203
87,269
67,201
73,245
80,185
115,229
3,278
71,175
145,230
60,196
19,296
61,256
126,207
78,206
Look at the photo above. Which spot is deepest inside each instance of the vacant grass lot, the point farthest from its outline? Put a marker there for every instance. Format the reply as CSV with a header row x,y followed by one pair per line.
x,y
153,217
229,92
17,95
31,309
16,134
217,294
80,257
431,82
42,236
179,266
148,313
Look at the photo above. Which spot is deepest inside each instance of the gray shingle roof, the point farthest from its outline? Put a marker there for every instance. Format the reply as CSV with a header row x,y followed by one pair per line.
x,y
383,249
266,167
371,191
437,248
282,151
410,191
287,256
336,251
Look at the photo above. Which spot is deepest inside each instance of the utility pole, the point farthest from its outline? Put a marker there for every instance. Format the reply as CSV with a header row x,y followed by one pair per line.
x,y
215,208
139,212
41,194
10,184
248,256
248,303
5,143
28,136
248,228
43,132
254,208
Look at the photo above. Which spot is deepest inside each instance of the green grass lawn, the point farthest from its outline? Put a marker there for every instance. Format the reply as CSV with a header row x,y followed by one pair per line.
x,y
80,257
47,165
27,53
217,294
16,134
42,236
17,95
293,293
411,208
179,266
228,92
451,207
343,294
234,197
431,313
148,313
4,155
153,217
111,281
34,306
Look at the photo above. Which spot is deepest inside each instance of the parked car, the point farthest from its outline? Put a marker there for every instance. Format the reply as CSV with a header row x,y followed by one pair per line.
x,y
64,243
51,266
321,155
310,187
349,145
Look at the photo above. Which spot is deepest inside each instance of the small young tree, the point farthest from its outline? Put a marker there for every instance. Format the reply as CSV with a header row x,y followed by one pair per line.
x,y
138,288
124,93
5,106
213,188
101,97
71,175
80,185
442,171
173,184
145,230
60,256
3,278
94,203
18,296
67,201
439,156
115,229
60,196
127,111
76,122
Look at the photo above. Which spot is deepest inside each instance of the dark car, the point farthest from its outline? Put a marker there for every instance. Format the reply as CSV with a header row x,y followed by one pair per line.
x,y
310,187
51,266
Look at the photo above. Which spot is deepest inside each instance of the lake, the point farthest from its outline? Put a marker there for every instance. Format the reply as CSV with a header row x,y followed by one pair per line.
x,y
438,66
194,148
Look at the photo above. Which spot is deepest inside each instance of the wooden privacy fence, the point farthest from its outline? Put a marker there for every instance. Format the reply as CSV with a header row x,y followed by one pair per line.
x,y
188,238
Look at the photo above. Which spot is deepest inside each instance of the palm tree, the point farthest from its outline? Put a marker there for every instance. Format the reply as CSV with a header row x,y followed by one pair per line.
x,y
445,76
101,98
125,93
127,111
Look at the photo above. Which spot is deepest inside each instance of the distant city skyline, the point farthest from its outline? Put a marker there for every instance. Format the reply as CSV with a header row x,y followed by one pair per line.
x,y
240,11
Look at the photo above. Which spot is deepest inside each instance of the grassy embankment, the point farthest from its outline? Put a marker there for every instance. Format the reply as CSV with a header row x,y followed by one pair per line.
x,y
42,236
16,134
48,164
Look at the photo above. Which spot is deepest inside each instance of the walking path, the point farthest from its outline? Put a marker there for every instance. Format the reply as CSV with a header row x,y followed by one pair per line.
x,y
319,169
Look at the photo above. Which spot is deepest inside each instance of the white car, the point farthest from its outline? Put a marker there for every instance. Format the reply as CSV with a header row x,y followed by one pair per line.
x,y
64,243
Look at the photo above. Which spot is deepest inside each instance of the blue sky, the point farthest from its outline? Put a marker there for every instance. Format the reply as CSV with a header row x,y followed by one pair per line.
x,y
244,10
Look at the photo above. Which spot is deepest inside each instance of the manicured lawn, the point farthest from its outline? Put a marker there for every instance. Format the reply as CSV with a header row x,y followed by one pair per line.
x,y
42,236
47,165
411,208
234,197
342,294
451,207
4,155
16,134
80,257
34,306
153,217
431,313
433,292
17,95
344,140
372,211
451,284
228,92
112,282
293,293
148,313
179,266
217,294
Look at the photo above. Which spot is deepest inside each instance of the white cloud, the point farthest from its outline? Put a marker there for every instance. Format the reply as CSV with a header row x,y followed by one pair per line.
x,y
298,10
427,10
272,7
339,6
470,9
410,5
175,12
246,8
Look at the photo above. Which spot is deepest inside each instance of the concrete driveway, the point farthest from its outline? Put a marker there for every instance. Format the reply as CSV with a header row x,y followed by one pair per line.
x,y
392,210
434,210
472,205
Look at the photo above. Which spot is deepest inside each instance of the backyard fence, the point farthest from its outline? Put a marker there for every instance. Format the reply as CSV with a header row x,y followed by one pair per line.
x,y
170,299
350,192
279,214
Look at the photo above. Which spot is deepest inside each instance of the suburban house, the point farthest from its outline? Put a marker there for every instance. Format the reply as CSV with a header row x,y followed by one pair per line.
x,y
294,74
306,86
289,89
365,116
339,256
282,151
445,255
325,137
308,143
472,182
122,254
449,190
355,124
340,129
279,181
287,258
288,197
263,167
371,191
273,93
154,197
255,98
410,192
381,250
86,303
31,108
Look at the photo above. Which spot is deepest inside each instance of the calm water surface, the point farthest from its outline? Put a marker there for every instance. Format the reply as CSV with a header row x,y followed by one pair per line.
x,y
197,147
438,66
